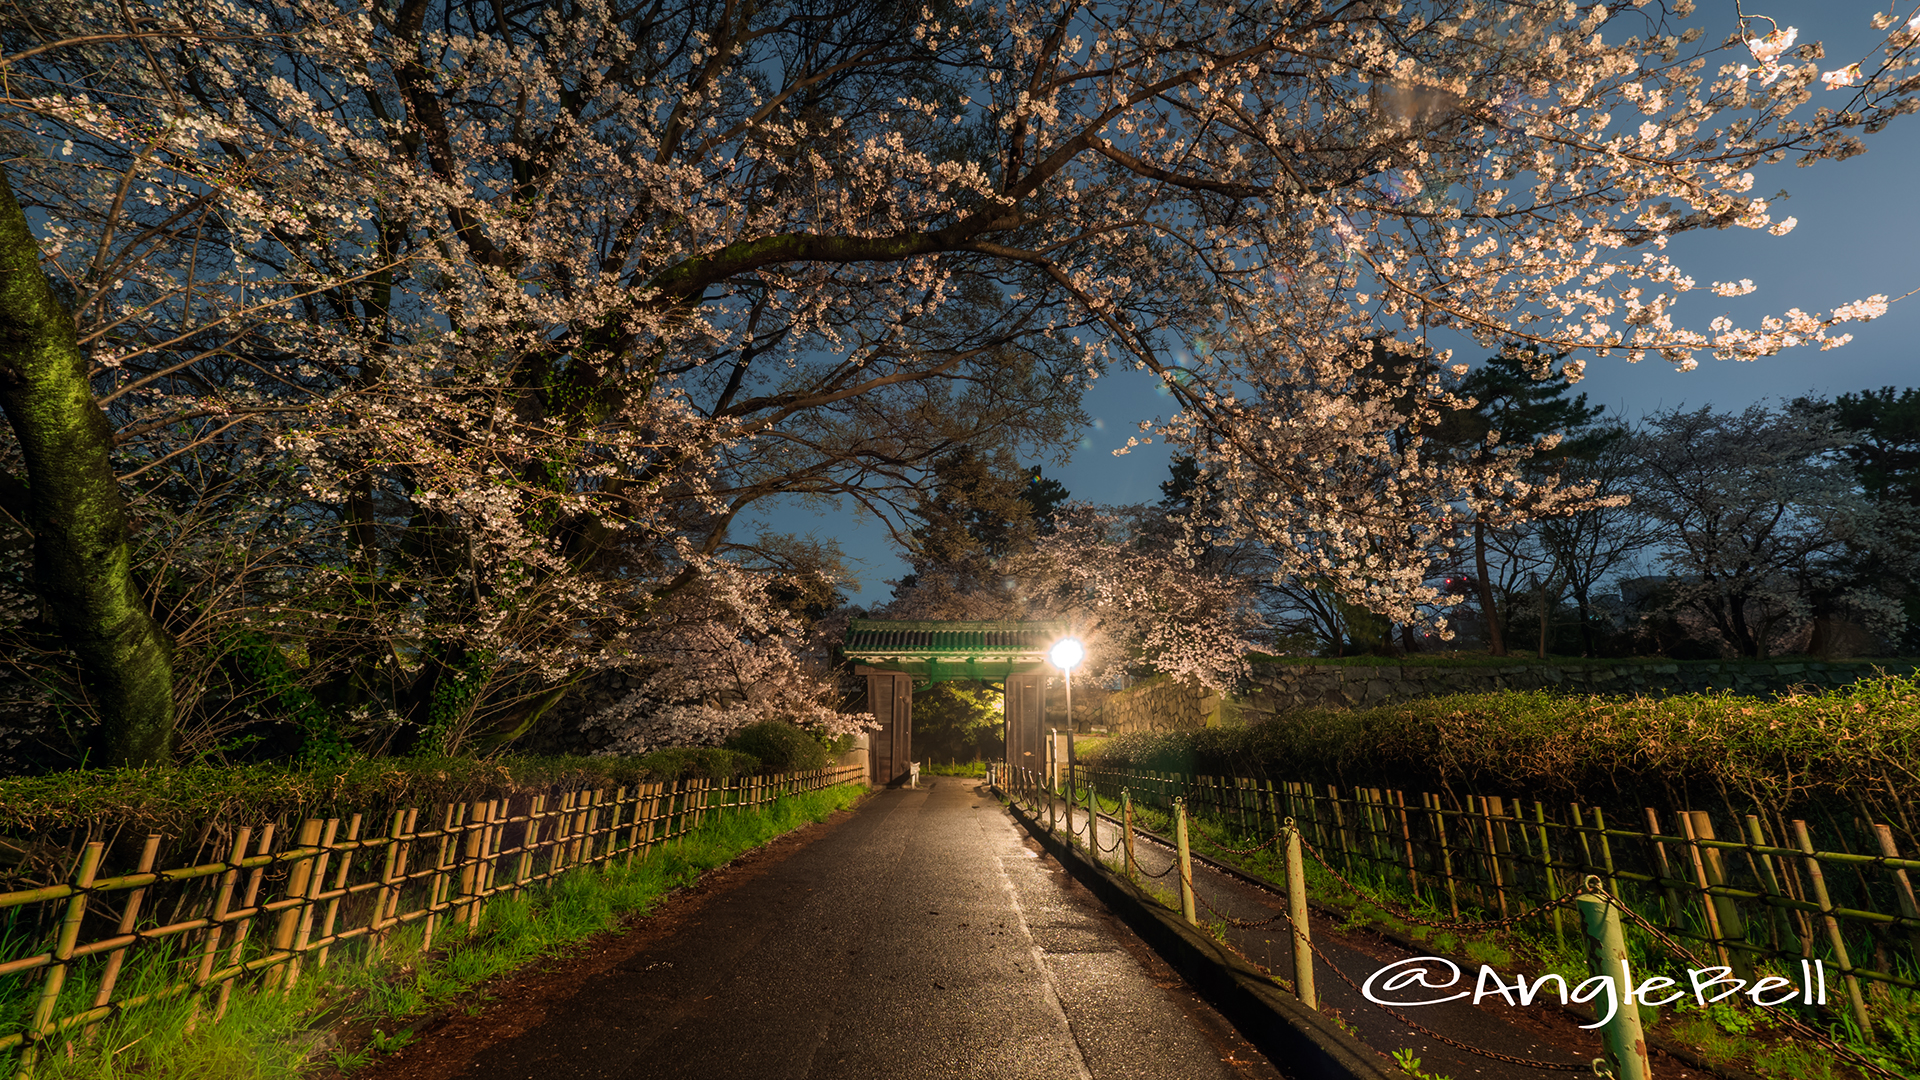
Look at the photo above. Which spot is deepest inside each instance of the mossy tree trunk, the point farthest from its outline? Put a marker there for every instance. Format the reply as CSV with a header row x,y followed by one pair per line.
x,y
82,554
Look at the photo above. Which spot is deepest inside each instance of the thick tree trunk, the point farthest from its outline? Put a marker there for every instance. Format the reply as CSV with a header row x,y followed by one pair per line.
x,y
82,557
1495,643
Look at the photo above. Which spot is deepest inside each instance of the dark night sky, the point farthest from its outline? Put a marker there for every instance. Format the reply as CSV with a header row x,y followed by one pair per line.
x,y
1858,234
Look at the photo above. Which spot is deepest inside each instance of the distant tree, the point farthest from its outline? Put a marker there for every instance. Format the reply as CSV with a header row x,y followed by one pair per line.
x,y
1590,545
1885,444
957,721
1884,450
1520,403
1761,517
974,512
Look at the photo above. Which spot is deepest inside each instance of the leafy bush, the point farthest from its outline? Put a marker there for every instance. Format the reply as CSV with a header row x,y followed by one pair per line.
x,y
713,762
1856,747
780,746
176,800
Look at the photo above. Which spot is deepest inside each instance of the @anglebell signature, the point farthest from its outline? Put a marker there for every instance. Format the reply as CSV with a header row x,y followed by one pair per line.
x,y
1416,977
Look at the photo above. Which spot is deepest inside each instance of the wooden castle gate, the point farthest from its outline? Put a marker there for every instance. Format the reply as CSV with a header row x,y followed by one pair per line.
x,y
894,655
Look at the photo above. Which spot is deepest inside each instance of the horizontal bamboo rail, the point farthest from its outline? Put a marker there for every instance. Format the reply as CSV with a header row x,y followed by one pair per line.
x,y
330,887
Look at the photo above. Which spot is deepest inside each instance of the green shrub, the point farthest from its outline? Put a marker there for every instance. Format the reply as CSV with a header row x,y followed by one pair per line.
x,y
1856,747
713,762
176,800
780,746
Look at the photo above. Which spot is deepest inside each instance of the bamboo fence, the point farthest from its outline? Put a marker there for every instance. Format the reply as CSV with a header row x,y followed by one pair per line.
x,y
275,905
1750,889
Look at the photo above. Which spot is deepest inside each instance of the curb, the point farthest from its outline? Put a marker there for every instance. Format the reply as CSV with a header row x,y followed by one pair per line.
x,y
1299,1041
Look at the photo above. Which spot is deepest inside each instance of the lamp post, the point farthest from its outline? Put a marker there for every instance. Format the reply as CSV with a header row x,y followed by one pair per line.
x,y
1065,654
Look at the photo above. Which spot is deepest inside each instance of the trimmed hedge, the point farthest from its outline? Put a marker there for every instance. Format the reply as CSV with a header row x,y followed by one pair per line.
x,y
1855,747
178,799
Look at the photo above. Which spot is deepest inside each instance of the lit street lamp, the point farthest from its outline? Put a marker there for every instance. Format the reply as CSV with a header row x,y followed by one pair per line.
x,y
1065,654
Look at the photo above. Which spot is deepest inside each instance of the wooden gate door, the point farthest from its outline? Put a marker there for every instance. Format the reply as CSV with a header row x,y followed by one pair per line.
x,y
1026,743
890,749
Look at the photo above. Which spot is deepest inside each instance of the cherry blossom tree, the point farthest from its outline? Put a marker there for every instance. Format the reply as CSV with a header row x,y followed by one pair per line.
x,y
444,342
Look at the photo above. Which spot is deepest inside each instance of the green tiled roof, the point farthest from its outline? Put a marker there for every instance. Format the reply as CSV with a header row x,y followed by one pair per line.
x,y
939,650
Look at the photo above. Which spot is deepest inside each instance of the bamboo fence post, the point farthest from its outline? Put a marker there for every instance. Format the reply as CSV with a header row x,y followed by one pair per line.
x,y
1342,831
129,918
1069,799
217,923
1777,917
611,806
1376,816
1834,937
637,814
1790,883
655,792
468,910
1546,867
673,796
1730,930
452,816
1273,810
388,895
339,887
41,1026
489,855
298,879
1126,825
1587,865
529,836
589,836
573,818
247,902
562,830
1439,818
1902,886
1664,871
1093,824
1489,808
1606,851
316,885
1406,840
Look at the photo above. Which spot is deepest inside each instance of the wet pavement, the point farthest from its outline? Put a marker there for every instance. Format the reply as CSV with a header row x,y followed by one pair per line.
x,y
922,936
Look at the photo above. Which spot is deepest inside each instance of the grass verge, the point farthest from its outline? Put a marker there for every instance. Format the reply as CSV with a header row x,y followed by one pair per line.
x,y
268,1035
975,769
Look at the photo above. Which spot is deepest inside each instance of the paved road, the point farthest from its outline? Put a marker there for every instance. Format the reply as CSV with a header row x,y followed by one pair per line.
x,y
922,937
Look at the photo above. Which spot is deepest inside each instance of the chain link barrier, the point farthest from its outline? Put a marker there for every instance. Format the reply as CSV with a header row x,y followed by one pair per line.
x,y
1388,1009
1786,1020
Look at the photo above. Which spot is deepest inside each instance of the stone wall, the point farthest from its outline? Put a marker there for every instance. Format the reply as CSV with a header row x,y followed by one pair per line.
x,y
1163,705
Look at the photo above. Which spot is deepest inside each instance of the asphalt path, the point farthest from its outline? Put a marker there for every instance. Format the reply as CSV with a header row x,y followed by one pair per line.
x,y
923,935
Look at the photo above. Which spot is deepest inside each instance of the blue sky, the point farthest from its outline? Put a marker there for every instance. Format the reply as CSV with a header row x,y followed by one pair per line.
x,y
1858,234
